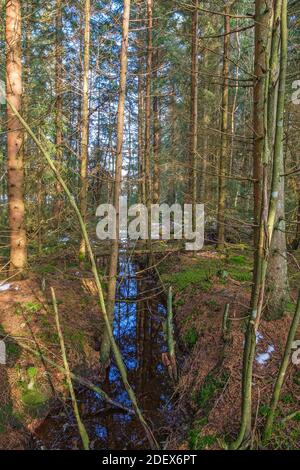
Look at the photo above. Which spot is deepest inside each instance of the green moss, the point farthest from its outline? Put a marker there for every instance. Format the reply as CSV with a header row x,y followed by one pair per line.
x,y
263,410
239,268
32,307
241,275
285,438
297,417
290,307
287,399
197,442
33,398
237,259
223,274
210,387
207,391
200,275
32,372
191,337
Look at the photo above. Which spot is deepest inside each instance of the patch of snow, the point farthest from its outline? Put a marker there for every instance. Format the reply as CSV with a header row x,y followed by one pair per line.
x,y
264,357
4,287
259,336
64,239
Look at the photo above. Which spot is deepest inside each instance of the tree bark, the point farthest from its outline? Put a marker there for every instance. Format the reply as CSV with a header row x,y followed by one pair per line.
x,y
148,179
223,161
58,103
205,143
171,194
156,129
267,221
262,18
16,206
85,124
277,286
191,196
141,148
113,262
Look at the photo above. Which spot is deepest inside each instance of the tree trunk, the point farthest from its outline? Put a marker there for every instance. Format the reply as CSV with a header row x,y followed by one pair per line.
x,y
16,207
148,111
113,262
205,119
171,194
277,286
148,182
156,176
141,153
267,221
262,15
191,196
85,124
223,161
58,104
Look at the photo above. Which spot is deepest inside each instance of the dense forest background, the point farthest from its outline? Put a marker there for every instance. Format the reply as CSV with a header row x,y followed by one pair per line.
x,y
52,44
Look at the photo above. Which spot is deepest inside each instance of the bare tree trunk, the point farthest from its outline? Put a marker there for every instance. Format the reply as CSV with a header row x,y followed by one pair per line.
x,y
191,195
206,119
234,107
268,211
156,129
58,103
141,153
277,286
85,124
223,161
148,182
171,195
113,262
16,207
262,9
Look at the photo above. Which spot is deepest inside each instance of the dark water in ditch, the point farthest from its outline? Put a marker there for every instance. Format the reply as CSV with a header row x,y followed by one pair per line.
x,y
138,328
